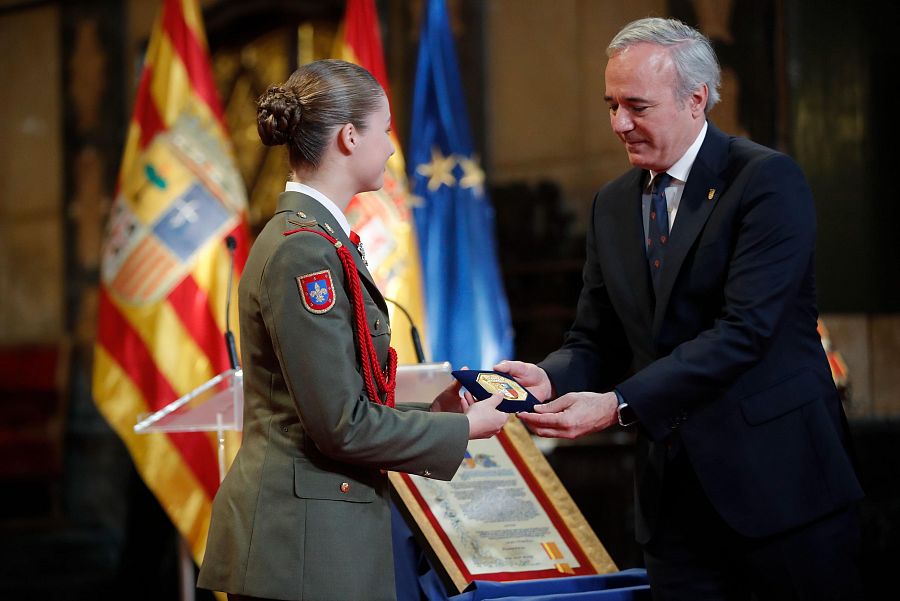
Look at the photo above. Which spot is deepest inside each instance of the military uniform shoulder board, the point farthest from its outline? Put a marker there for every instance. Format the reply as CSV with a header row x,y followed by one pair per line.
x,y
301,220
317,291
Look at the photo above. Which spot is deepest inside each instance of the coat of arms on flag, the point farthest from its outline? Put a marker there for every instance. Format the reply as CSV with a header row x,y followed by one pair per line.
x,y
166,268
185,200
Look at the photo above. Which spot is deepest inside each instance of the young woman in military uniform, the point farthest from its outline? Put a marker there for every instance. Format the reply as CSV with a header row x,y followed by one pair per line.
x,y
304,511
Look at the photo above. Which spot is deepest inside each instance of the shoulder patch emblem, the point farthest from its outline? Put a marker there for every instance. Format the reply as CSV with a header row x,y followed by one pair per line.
x,y
317,291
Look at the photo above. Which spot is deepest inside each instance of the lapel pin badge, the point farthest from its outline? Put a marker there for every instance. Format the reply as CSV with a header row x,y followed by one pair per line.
x,y
711,194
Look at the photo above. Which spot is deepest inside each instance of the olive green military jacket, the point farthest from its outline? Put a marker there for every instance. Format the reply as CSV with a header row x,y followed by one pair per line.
x,y
304,511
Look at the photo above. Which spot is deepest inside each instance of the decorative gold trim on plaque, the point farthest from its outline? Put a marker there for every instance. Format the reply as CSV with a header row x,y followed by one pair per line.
x,y
533,460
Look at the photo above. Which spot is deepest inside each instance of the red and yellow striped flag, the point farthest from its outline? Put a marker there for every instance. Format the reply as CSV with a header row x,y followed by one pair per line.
x,y
165,266
383,218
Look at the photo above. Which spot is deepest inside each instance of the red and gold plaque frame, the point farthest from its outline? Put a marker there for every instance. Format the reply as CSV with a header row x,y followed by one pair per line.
x,y
566,546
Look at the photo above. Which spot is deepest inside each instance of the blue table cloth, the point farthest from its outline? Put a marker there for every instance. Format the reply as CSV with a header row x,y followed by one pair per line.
x,y
418,581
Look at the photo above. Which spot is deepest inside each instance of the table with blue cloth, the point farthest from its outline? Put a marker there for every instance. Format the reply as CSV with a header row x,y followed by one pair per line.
x,y
417,580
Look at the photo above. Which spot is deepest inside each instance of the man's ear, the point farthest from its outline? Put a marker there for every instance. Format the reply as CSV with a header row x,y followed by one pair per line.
x,y
347,138
698,99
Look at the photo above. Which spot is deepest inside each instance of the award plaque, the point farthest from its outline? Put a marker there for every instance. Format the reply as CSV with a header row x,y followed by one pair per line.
x,y
483,384
505,516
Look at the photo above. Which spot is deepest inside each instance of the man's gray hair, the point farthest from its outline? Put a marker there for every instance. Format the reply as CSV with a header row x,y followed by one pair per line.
x,y
695,60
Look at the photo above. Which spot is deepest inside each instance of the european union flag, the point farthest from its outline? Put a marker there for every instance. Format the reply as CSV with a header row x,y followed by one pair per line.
x,y
468,315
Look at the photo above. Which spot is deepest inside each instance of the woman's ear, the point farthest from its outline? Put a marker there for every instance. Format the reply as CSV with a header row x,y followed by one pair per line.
x,y
347,138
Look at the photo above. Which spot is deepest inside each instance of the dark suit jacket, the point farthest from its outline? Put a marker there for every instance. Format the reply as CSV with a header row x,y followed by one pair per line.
x,y
726,358
303,512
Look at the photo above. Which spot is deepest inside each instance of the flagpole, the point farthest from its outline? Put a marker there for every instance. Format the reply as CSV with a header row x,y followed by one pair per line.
x,y
187,579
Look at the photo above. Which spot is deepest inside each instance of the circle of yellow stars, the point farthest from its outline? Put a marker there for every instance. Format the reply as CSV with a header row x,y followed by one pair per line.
x,y
439,171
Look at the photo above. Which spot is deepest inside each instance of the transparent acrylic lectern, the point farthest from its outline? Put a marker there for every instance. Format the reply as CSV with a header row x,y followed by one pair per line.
x,y
215,406
421,382
218,406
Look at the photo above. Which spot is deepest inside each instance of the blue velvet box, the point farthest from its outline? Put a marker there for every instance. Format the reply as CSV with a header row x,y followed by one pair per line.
x,y
482,384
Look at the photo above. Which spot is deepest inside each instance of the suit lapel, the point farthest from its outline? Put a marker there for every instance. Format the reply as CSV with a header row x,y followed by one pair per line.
x,y
701,192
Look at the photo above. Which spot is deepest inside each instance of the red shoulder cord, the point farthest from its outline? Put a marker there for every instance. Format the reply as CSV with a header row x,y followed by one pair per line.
x,y
376,381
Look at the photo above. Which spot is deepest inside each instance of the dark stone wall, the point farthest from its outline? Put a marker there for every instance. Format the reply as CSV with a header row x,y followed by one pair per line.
x,y
843,131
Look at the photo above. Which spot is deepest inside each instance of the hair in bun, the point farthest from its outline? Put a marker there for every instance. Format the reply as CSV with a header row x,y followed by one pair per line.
x,y
317,99
278,114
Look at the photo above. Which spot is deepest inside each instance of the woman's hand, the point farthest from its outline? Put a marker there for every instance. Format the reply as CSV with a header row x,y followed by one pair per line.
x,y
449,400
484,419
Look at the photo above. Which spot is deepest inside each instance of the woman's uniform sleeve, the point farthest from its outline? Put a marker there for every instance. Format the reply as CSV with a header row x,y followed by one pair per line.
x,y
317,352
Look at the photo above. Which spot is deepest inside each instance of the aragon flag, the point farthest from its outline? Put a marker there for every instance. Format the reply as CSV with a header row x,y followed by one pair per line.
x,y
165,266
383,218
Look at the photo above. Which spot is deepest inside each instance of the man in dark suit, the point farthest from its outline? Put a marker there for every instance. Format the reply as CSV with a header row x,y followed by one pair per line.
x,y
697,323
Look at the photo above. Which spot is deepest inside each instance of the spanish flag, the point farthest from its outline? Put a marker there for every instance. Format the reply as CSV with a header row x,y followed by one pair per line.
x,y
166,267
383,218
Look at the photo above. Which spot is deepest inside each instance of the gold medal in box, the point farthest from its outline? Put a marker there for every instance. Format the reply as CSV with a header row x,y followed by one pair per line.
x,y
483,384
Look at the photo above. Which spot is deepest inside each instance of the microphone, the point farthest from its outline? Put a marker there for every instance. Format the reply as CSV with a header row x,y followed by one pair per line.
x,y
231,243
413,331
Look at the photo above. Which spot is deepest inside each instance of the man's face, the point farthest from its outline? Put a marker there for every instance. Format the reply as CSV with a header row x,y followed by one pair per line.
x,y
655,127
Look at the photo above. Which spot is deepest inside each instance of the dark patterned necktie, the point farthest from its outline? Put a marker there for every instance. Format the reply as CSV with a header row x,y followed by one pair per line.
x,y
658,226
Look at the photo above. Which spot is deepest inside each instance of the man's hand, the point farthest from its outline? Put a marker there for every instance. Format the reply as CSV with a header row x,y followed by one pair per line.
x,y
530,376
573,415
